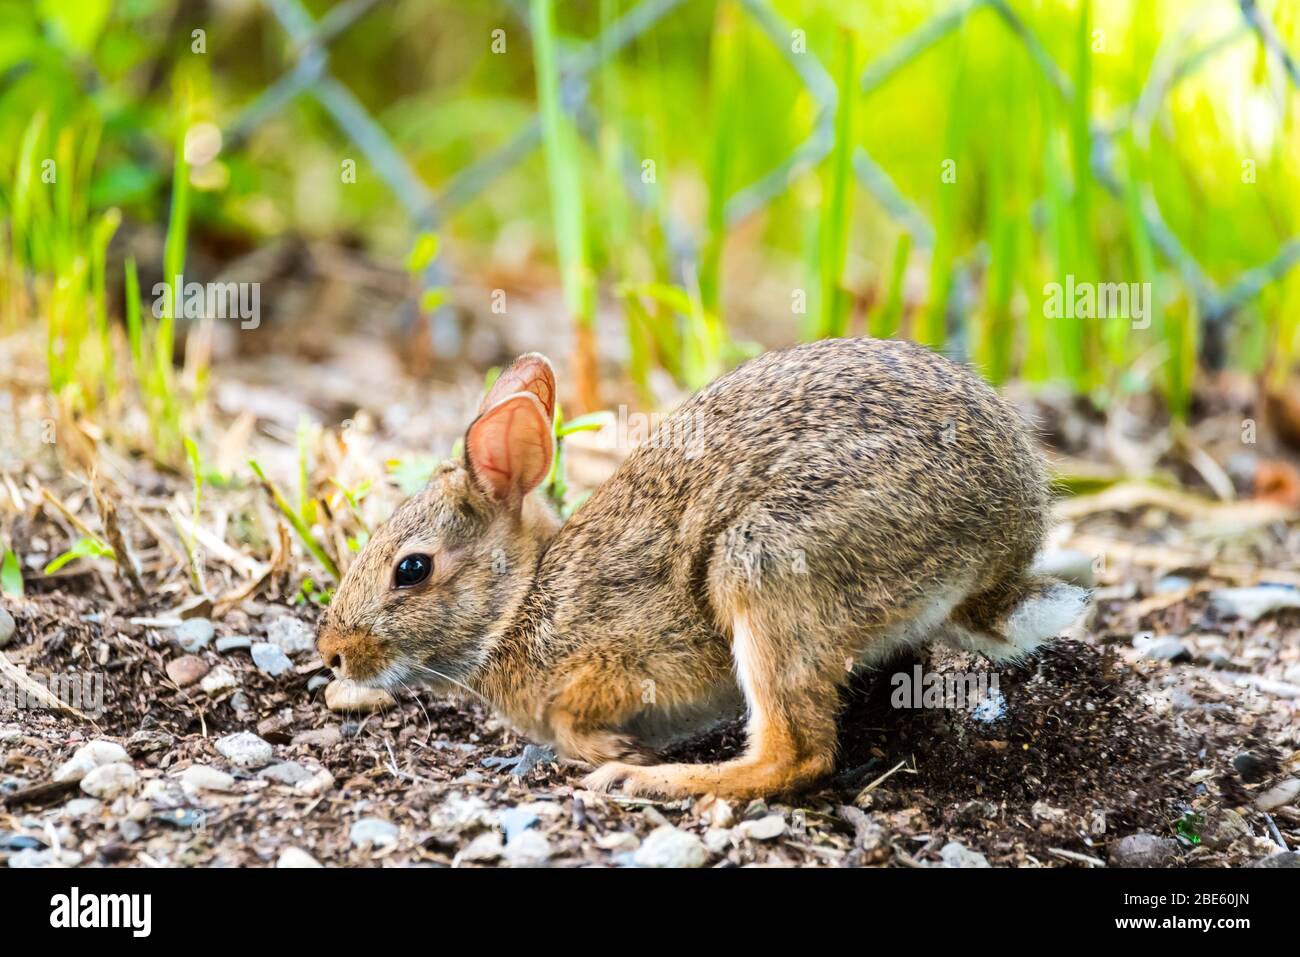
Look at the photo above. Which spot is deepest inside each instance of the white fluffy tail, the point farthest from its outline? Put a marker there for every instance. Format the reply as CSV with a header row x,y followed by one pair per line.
x,y
1048,609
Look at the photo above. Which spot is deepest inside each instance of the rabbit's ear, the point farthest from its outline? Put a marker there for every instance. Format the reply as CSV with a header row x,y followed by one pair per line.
x,y
510,446
531,372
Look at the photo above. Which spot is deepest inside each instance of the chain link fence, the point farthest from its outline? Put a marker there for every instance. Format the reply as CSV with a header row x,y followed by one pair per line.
x,y
310,75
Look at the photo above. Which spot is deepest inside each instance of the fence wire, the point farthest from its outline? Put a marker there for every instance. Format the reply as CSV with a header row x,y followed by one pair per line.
x,y
310,74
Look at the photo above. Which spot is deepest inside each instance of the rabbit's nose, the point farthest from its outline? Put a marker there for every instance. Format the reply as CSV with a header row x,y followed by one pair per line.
x,y
330,647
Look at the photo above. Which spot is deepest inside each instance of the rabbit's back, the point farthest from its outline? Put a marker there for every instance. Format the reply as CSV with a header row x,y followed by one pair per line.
x,y
852,480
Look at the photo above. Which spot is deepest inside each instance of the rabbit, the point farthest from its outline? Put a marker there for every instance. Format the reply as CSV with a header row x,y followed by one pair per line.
x,y
812,512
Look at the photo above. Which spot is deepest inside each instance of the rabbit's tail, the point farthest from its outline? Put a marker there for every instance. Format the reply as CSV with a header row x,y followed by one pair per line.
x,y
1038,611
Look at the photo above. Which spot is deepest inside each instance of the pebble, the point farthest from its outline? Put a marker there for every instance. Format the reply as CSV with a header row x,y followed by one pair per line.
x,y
1280,859
291,635
286,772
91,755
245,750
486,847
1223,827
316,785
325,737
296,857
82,807
1279,796
7,627
346,695
1255,602
1142,850
764,829
529,849
668,846
1167,648
373,832
219,679
1172,583
200,777
958,855
1250,766
514,821
716,812
193,634
316,682
271,659
617,841
186,670
233,643
1069,565
109,781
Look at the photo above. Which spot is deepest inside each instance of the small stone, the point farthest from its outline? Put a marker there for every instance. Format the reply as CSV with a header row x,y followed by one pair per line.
x,y
82,807
1068,565
618,841
193,634
457,814
186,670
316,682
1280,859
1279,796
346,695
1200,775
514,821
668,846
296,857
130,831
764,829
716,812
110,781
245,750
718,840
233,643
91,755
1162,649
1042,811
954,854
7,627
1251,766
271,659
286,772
219,679
199,777
1222,828
486,847
1255,602
1172,583
1142,850
325,737
291,635
529,849
373,832
316,785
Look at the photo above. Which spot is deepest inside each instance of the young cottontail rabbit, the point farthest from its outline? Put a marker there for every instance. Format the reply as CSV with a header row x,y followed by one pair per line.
x,y
811,512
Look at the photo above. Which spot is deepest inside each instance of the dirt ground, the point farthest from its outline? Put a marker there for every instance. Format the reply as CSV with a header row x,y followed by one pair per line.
x,y
1162,732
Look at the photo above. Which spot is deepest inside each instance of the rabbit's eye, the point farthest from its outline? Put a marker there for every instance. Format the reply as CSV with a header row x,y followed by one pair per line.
x,y
412,570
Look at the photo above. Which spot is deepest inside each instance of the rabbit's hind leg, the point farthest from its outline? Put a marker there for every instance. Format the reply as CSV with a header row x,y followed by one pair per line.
x,y
792,703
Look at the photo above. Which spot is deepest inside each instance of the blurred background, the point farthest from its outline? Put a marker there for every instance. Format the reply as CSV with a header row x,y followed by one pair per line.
x,y
650,191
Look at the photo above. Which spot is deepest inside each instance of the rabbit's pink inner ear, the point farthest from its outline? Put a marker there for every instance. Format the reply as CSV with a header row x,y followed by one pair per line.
x,y
529,373
509,447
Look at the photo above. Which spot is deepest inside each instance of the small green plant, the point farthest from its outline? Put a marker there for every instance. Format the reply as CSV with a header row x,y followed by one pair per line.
x,y
298,519
11,575
86,547
556,486
311,594
421,256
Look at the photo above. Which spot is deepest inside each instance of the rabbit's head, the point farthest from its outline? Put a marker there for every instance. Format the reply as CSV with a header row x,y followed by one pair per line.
x,y
427,597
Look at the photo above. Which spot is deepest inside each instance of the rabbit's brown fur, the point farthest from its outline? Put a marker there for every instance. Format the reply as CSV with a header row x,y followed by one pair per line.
x,y
810,512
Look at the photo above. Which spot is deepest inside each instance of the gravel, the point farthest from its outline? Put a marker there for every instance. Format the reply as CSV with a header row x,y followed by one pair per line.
x,y
271,659
1143,850
373,832
245,750
110,781
668,846
7,627
193,634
